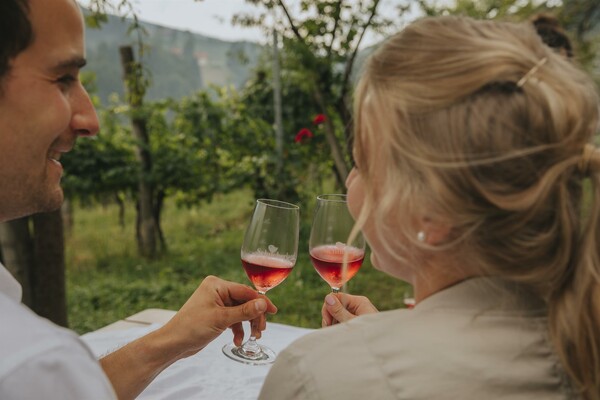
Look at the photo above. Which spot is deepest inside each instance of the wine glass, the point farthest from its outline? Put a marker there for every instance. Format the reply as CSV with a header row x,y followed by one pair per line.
x,y
268,255
330,231
409,298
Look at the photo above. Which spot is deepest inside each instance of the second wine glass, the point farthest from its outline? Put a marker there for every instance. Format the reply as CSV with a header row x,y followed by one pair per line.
x,y
268,253
330,231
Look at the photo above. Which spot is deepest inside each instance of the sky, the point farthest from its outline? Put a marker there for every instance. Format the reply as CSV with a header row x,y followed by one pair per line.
x,y
211,17
208,17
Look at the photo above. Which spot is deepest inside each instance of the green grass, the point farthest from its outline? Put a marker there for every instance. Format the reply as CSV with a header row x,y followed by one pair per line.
x,y
107,281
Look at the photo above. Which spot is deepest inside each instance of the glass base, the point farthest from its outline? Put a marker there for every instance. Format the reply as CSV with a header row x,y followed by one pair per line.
x,y
262,357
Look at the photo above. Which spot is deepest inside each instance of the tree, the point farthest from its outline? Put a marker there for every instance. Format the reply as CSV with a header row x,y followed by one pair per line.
x,y
147,226
47,276
103,167
33,250
322,40
305,162
582,17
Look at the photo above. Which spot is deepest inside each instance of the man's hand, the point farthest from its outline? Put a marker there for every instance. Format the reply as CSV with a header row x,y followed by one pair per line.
x,y
215,306
341,307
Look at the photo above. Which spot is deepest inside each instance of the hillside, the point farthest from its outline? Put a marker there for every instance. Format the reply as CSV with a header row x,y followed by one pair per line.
x,y
180,62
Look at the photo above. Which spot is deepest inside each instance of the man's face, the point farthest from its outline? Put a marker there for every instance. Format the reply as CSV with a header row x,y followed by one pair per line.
x,y
43,108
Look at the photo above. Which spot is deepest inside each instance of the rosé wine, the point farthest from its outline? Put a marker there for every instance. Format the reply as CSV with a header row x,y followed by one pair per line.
x,y
409,302
328,261
266,271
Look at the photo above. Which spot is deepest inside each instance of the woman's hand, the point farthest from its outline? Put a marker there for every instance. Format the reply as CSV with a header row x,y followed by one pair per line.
x,y
341,307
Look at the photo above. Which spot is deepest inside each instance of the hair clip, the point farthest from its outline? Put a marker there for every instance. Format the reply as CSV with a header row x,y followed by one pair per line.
x,y
532,71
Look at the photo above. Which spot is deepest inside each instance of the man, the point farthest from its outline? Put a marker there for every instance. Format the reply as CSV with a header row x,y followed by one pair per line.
x,y
43,110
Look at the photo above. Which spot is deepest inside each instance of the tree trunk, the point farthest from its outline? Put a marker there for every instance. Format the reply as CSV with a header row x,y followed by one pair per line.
x,y
341,168
278,123
346,116
17,251
121,205
48,274
158,207
147,225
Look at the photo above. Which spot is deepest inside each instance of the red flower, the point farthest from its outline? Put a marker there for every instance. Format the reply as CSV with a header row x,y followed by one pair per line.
x,y
319,119
303,133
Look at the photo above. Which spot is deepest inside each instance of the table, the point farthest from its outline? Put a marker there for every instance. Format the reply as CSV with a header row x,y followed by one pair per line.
x,y
142,319
206,375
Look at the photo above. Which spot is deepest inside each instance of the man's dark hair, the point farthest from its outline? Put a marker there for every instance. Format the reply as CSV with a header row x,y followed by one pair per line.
x,y
15,31
549,29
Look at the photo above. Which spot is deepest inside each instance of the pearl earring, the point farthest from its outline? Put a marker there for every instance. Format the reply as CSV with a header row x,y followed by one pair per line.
x,y
421,236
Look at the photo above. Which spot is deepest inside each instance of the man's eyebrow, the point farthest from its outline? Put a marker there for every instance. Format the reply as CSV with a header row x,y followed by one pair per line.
x,y
76,62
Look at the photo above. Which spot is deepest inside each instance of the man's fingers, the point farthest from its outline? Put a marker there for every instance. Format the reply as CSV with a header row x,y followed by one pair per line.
x,y
271,308
255,327
238,333
241,294
262,322
244,312
254,308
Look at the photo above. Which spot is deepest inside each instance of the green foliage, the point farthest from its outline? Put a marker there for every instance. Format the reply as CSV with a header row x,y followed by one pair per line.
x,y
137,83
485,9
580,18
305,164
211,142
321,40
107,281
101,166
215,142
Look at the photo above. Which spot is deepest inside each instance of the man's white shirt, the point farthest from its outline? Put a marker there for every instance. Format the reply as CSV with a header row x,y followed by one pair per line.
x,y
39,360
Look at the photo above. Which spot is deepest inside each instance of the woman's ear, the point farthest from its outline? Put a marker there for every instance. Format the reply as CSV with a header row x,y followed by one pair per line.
x,y
435,231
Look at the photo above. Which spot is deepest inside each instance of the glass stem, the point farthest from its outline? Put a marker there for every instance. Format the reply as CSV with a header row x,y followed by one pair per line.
x,y
251,347
335,290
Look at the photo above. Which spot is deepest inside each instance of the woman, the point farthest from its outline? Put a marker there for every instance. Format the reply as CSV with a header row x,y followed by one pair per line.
x,y
472,154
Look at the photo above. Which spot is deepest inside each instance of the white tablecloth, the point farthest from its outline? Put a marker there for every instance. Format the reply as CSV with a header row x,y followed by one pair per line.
x,y
206,375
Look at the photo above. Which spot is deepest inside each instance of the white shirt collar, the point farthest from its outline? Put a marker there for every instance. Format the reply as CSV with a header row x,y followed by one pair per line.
x,y
9,285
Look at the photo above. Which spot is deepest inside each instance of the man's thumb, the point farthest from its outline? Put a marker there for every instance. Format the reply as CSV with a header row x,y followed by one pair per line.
x,y
250,310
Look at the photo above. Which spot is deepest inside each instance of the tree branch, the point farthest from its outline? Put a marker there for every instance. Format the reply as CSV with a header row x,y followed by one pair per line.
x,y
338,16
291,21
351,27
585,23
342,105
350,63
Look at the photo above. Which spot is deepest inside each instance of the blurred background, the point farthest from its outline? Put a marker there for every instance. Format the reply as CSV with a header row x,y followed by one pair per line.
x,y
204,107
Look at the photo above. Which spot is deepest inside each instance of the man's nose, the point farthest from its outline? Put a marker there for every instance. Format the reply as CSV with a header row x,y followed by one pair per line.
x,y
84,121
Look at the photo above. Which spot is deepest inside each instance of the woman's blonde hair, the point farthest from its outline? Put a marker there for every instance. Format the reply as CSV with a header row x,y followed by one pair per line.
x,y
443,109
